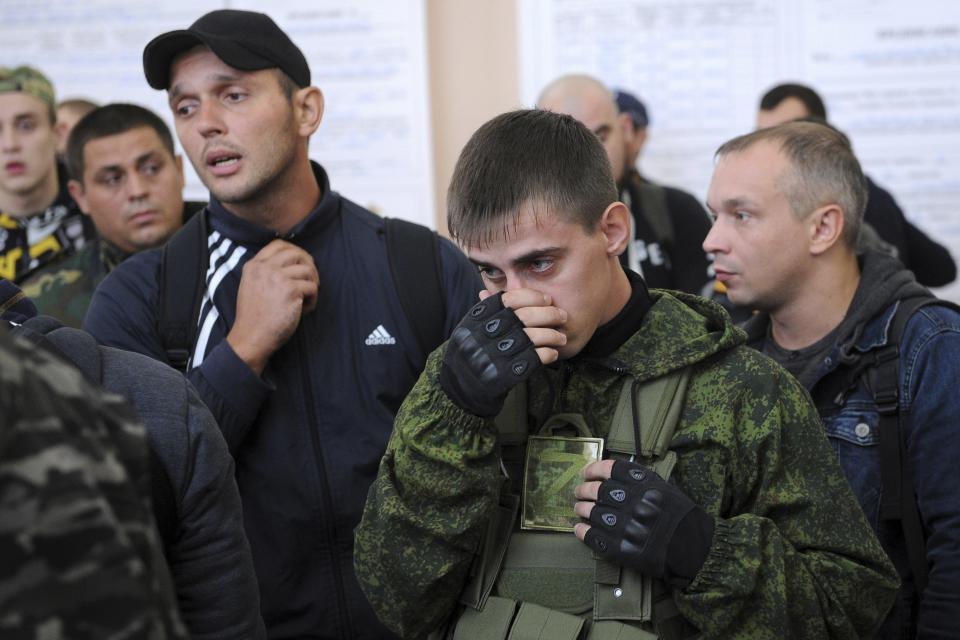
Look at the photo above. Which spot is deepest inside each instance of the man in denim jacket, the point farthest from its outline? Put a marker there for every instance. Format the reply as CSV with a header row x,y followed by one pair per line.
x,y
787,204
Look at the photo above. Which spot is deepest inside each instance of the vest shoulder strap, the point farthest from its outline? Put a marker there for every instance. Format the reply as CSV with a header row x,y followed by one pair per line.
x,y
647,414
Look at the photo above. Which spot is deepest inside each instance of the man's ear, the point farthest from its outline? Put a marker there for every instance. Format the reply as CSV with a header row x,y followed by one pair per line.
x,y
308,108
640,138
61,131
825,227
75,187
626,125
615,226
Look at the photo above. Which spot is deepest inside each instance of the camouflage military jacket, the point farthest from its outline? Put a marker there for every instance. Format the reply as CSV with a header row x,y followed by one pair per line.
x,y
792,554
80,553
63,289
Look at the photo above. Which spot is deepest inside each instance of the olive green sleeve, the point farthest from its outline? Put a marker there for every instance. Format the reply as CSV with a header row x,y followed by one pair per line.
x,y
427,509
799,559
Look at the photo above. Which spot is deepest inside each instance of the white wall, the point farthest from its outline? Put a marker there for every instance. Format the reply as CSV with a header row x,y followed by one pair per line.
x,y
888,70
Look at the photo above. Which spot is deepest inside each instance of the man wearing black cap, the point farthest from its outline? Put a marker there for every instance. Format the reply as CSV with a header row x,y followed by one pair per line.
x,y
669,225
302,349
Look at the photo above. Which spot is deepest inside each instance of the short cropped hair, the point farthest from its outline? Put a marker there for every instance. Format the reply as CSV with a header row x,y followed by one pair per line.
x,y
810,99
287,84
111,120
79,106
530,156
823,170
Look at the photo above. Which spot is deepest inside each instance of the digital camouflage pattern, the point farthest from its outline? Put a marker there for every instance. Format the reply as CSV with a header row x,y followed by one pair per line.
x,y
792,554
81,556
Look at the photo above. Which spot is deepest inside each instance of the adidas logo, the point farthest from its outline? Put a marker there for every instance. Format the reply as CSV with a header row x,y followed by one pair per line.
x,y
379,336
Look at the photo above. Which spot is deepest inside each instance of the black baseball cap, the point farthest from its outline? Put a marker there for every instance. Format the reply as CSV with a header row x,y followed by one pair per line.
x,y
245,40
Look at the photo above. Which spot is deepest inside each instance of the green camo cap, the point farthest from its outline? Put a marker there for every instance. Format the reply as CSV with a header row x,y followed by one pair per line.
x,y
28,80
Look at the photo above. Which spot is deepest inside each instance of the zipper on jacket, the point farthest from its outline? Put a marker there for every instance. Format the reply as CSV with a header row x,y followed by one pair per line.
x,y
331,527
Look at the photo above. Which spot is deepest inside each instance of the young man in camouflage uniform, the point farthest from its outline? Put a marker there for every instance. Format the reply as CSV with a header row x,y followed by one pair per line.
x,y
81,555
743,541
39,221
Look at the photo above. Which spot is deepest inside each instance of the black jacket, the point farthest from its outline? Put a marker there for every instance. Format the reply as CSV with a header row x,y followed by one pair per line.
x,y
309,434
930,261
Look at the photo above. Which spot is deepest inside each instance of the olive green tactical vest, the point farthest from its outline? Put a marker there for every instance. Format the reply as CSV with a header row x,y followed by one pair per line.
x,y
543,585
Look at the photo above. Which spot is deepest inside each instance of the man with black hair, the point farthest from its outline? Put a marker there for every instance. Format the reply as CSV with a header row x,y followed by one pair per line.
x,y
930,261
129,179
668,225
882,369
300,342
39,221
710,501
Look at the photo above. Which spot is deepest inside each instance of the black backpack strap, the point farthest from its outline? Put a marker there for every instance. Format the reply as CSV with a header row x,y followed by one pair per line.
x,y
414,255
653,204
182,282
899,500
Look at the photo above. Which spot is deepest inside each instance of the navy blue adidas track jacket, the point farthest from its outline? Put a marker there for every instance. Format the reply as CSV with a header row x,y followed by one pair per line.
x,y
307,436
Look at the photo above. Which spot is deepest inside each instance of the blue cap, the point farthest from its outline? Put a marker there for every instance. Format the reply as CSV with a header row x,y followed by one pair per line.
x,y
629,103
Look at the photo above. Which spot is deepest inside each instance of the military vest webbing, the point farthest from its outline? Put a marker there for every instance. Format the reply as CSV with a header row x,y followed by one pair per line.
x,y
550,585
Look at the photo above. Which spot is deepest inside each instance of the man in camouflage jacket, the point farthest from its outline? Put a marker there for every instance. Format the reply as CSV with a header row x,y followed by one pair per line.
x,y
757,533
80,553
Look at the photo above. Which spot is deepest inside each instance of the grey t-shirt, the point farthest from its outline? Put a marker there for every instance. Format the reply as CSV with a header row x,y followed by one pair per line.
x,y
804,364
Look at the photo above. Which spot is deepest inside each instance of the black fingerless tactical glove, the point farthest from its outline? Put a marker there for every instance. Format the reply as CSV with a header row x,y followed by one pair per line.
x,y
642,521
487,355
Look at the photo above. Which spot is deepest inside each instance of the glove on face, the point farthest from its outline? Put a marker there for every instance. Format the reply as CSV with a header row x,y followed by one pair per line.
x,y
643,522
487,355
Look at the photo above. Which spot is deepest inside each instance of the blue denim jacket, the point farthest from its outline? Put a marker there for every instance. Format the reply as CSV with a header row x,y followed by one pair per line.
x,y
930,420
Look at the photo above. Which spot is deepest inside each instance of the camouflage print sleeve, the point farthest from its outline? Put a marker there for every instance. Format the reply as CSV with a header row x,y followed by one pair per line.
x,y
80,554
799,559
427,509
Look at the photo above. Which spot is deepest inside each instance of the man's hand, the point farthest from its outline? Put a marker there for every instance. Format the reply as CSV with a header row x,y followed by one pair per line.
x,y
277,287
497,345
639,520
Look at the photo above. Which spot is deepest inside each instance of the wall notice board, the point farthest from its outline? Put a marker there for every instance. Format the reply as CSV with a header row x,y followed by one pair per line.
x,y
889,72
367,56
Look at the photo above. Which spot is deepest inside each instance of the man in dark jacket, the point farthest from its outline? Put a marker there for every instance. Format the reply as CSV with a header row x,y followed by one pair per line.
x,y
668,225
128,179
477,520
788,203
194,493
303,351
